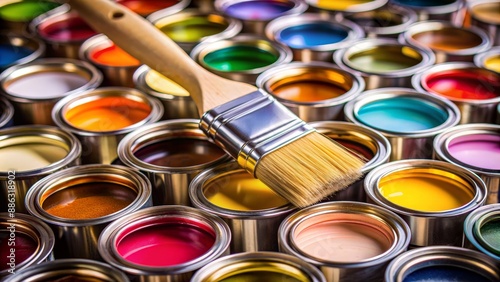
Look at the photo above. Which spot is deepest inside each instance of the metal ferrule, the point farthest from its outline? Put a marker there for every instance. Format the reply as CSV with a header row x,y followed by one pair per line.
x,y
230,125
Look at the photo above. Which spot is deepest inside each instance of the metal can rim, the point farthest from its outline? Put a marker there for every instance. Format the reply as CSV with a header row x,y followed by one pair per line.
x,y
480,58
470,222
6,111
357,87
399,227
50,132
34,194
340,57
277,25
108,238
373,177
96,41
417,78
371,95
37,53
139,79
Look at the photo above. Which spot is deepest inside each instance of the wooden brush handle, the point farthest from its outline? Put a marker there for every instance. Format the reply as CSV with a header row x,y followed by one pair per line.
x,y
148,44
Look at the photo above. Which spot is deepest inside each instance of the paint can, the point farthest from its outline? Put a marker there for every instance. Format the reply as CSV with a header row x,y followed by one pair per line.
x,y
29,153
79,202
180,239
252,210
70,270
442,263
62,30
481,229
313,37
433,197
241,58
6,113
15,15
148,7
475,147
386,21
347,241
485,14
337,7
476,91
489,59
263,266
448,42
314,91
117,66
445,10
32,243
171,153
256,14
34,88
189,27
16,49
383,62
177,102
363,141
407,118
100,118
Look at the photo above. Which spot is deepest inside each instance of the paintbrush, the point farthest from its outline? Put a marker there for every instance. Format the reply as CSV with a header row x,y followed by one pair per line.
x,y
265,138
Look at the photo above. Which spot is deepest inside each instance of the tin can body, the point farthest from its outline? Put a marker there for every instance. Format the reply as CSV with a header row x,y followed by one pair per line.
x,y
479,226
484,14
79,202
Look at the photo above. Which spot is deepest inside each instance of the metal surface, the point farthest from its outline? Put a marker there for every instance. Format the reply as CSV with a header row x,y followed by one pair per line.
x,y
43,134
101,146
245,114
331,109
409,145
472,236
77,238
6,113
289,266
38,111
441,152
170,184
429,228
155,215
364,270
492,28
252,231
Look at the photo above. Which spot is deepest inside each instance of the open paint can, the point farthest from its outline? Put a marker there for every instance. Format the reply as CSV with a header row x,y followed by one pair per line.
x,y
433,197
259,266
481,229
407,118
34,88
386,21
252,210
347,241
70,270
442,263
15,15
27,154
62,30
256,14
25,241
189,27
314,91
475,90
489,59
485,14
78,202
313,37
241,58
475,147
171,153
177,102
16,49
147,7
367,143
164,243
448,42
100,118
383,62
116,65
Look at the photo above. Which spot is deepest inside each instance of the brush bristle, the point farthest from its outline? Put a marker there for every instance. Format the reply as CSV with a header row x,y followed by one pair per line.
x,y
309,169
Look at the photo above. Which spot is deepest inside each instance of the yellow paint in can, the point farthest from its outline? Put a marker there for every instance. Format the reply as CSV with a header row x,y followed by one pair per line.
x,y
426,189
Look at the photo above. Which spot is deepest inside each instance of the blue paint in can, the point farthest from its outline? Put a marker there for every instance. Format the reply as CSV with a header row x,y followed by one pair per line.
x,y
312,35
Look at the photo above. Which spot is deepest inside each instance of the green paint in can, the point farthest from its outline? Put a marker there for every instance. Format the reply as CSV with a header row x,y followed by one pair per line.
x,y
26,10
239,58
